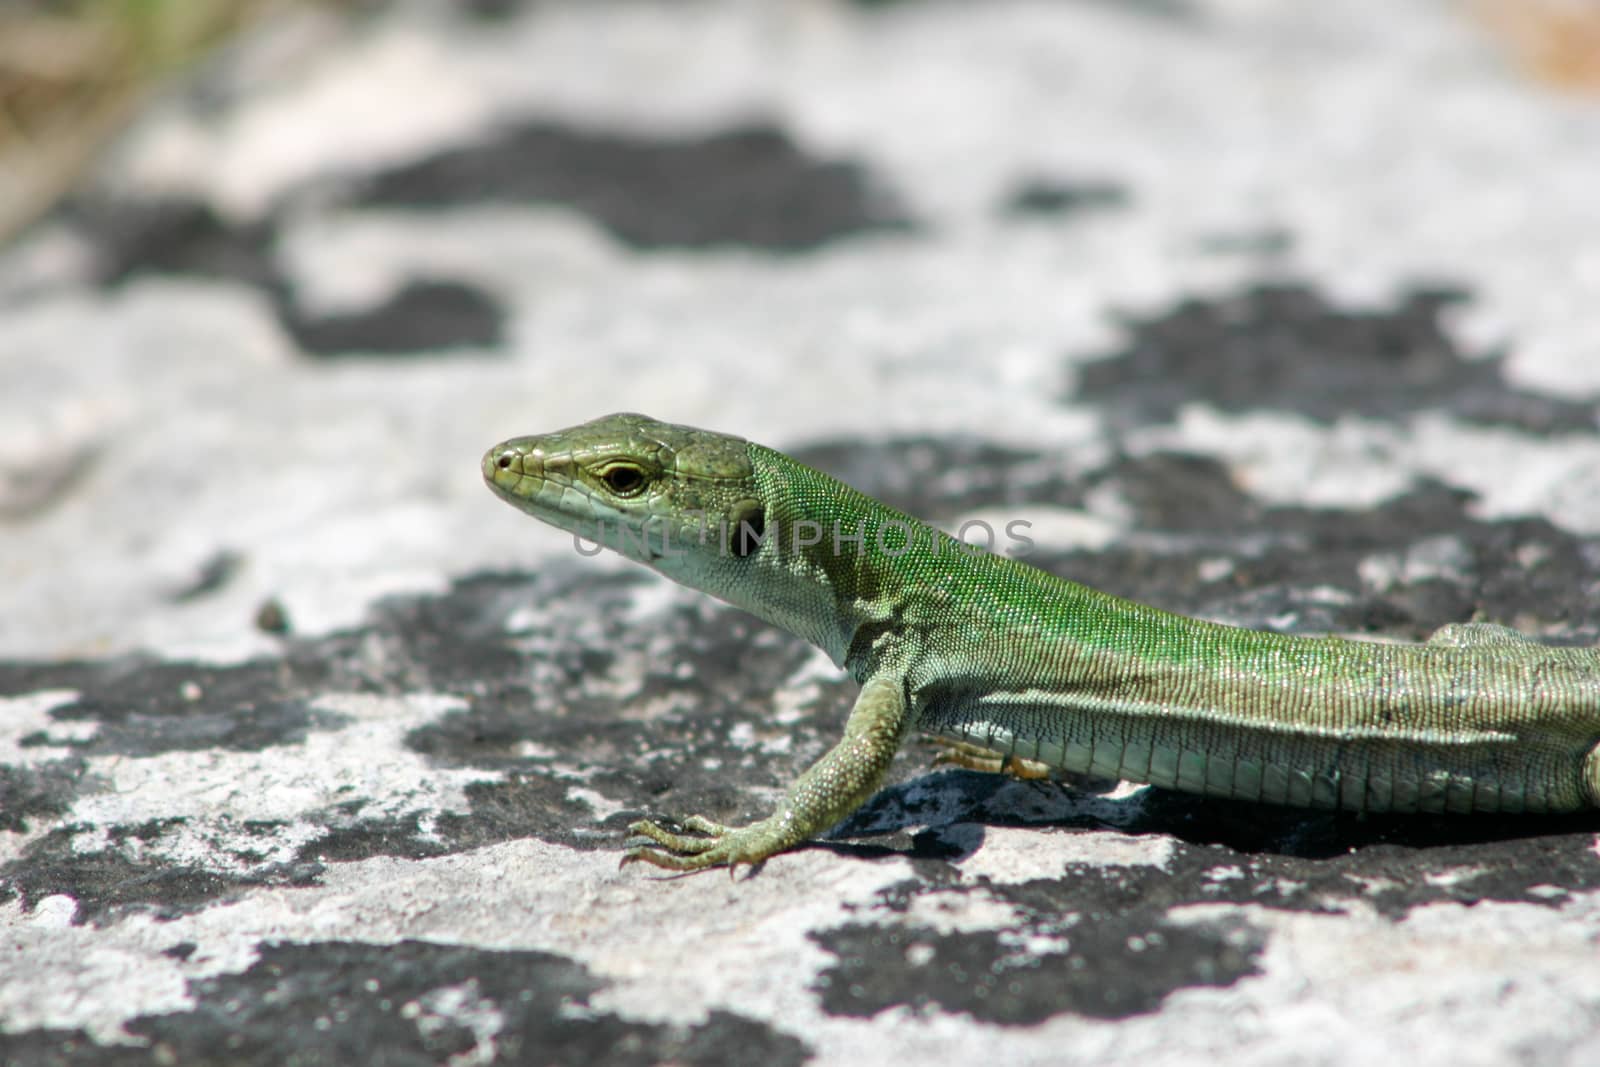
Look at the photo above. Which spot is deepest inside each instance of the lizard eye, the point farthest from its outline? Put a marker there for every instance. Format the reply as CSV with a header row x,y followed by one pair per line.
x,y
623,480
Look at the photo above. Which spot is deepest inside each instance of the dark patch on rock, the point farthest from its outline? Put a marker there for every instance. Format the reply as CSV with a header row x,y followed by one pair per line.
x,y
1285,347
1036,197
1108,966
1307,563
520,804
41,790
215,573
1267,243
352,835
180,237
492,732
133,237
532,805
423,317
466,641
74,1048
146,706
129,873
935,477
128,729
180,951
409,1003
748,186
31,485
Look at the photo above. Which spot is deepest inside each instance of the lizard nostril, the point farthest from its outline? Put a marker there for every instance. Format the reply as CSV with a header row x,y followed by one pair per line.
x,y
504,462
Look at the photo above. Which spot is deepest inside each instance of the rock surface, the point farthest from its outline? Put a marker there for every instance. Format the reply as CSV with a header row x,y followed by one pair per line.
x,y
311,751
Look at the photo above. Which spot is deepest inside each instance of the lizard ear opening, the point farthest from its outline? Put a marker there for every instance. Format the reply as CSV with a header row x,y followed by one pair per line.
x,y
747,522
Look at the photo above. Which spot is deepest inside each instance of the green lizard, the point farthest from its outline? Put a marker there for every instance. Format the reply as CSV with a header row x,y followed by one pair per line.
x,y
1013,664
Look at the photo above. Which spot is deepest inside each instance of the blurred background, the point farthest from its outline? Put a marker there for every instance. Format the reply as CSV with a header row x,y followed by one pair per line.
x,y
72,71
71,74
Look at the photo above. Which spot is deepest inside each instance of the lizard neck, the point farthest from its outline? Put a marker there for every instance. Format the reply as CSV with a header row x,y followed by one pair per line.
x,y
819,573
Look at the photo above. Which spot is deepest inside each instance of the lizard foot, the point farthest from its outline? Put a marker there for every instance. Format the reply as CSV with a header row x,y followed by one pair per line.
x,y
728,845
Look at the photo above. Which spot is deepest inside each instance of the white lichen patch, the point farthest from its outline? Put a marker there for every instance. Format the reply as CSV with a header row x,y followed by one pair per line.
x,y
463,1006
1442,557
1011,855
227,810
28,716
951,912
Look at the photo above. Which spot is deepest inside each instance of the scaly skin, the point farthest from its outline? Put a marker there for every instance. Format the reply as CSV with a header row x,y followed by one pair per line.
x,y
1014,664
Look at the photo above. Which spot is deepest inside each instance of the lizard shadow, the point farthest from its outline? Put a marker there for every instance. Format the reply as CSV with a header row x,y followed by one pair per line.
x,y
1259,829
944,815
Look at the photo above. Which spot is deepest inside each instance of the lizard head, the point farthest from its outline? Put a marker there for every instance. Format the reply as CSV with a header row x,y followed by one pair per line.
x,y
665,495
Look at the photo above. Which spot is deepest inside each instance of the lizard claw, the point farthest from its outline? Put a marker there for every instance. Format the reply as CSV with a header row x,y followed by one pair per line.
x,y
723,845
681,842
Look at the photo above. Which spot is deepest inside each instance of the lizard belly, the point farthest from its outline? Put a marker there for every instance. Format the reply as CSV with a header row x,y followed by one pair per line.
x,y
1294,765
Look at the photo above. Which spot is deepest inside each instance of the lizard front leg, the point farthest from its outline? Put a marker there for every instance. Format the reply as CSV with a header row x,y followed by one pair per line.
x,y
830,789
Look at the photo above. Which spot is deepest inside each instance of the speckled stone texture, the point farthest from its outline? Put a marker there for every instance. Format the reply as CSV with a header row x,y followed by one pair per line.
x,y
313,752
